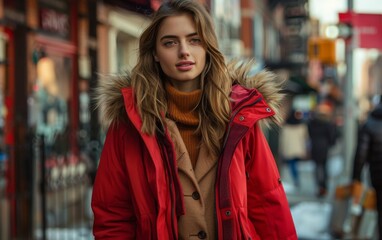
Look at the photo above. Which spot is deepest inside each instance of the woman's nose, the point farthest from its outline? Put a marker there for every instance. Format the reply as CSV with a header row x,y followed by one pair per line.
x,y
184,50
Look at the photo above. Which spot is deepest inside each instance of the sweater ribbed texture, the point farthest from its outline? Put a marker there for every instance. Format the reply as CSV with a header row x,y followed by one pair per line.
x,y
181,109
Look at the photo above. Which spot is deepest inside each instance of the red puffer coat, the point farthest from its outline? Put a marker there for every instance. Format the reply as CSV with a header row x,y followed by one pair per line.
x,y
137,194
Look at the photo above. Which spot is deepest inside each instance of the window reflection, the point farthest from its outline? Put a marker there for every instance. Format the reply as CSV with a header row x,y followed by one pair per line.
x,y
50,108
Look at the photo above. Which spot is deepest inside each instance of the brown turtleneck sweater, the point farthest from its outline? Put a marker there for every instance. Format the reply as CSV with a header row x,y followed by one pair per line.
x,y
181,107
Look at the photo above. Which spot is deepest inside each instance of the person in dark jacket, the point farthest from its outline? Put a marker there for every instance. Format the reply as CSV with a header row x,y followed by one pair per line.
x,y
322,134
369,150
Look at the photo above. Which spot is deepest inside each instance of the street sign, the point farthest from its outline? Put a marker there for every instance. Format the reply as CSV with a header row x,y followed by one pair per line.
x,y
367,28
322,49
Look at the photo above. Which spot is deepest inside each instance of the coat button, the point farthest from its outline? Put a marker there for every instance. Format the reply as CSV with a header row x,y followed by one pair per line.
x,y
202,235
195,195
228,213
241,118
268,109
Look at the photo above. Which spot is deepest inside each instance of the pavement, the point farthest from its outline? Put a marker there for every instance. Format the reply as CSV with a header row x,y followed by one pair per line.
x,y
315,218
311,214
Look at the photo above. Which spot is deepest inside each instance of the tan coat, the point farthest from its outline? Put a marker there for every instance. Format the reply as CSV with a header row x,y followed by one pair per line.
x,y
198,189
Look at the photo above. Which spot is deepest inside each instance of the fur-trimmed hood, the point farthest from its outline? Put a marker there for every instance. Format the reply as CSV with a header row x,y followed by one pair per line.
x,y
266,82
109,99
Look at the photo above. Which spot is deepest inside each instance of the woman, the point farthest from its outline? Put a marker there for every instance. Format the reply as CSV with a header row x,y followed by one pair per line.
x,y
184,157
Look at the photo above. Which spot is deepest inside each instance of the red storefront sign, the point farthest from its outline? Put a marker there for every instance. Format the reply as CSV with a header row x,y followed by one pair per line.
x,y
367,28
55,22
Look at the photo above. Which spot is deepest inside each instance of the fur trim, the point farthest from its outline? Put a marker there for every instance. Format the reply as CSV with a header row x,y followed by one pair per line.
x,y
266,82
109,99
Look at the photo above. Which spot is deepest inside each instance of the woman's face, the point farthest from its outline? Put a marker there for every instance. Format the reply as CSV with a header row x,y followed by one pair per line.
x,y
180,52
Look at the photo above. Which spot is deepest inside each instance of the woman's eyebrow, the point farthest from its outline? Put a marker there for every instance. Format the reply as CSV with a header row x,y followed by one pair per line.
x,y
175,36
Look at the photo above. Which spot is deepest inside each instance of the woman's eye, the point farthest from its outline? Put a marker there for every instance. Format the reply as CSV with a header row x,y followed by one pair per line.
x,y
195,40
169,43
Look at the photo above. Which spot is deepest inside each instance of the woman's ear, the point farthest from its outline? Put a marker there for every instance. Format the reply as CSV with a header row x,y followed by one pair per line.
x,y
155,57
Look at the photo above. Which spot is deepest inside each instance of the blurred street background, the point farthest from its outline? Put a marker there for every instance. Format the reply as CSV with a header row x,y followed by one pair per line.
x,y
53,52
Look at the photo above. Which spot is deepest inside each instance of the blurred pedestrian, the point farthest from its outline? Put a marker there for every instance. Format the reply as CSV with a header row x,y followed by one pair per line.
x,y
369,150
294,140
184,156
322,133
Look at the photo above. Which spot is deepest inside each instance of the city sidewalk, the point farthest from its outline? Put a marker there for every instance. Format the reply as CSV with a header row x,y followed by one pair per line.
x,y
312,215
315,217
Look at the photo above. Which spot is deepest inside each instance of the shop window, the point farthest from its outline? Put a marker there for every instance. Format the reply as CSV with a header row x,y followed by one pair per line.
x,y
49,105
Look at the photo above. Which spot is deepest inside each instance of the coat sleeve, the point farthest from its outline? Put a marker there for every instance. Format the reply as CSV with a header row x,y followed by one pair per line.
x,y
361,154
112,206
268,208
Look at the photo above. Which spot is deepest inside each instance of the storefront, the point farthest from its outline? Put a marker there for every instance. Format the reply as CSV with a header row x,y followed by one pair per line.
x,y
54,116
41,171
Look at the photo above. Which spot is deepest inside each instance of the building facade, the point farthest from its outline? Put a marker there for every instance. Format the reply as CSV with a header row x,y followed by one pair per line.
x,y
39,75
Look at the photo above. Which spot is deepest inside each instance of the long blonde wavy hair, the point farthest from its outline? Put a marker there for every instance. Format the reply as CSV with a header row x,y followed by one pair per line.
x,y
147,78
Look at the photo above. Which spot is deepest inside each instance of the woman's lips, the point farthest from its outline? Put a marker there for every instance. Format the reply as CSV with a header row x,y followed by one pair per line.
x,y
184,66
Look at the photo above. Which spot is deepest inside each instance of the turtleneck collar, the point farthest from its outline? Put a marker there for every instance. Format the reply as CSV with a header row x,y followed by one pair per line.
x,y
181,105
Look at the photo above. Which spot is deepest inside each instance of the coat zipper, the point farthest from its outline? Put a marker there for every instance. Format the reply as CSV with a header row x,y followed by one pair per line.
x,y
219,199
